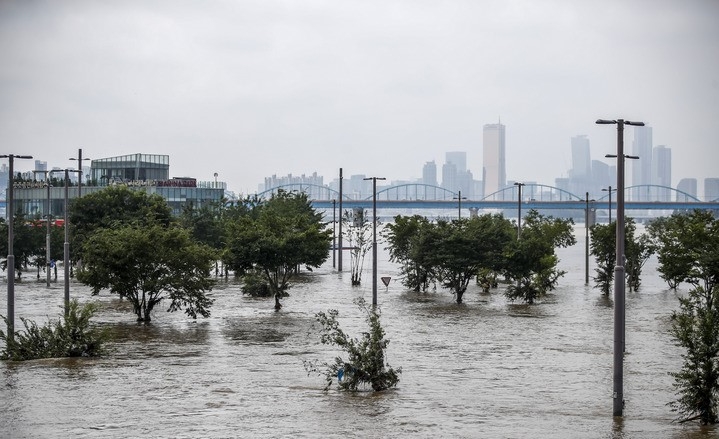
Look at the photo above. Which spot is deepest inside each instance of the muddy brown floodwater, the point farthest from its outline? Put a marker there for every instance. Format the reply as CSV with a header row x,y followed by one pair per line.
x,y
486,368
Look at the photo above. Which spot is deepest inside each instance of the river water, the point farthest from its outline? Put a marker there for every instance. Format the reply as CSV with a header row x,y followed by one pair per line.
x,y
486,368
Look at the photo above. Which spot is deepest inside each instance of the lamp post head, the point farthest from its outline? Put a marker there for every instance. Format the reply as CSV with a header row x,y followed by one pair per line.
x,y
605,122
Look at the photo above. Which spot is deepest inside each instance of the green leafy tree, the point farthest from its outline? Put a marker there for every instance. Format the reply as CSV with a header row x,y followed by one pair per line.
x,y
637,250
277,237
365,365
25,243
602,247
694,239
147,264
70,336
532,261
113,207
457,250
671,235
407,239
358,233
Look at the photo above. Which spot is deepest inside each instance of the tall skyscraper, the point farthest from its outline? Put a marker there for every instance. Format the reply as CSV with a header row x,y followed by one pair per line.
x,y
449,177
711,189
494,172
662,172
642,167
458,159
429,173
581,173
689,187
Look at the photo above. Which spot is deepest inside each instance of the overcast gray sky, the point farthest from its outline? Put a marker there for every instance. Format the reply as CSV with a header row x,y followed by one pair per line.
x,y
248,89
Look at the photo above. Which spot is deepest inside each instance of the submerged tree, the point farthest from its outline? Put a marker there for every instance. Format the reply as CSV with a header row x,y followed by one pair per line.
x,y
695,238
637,250
365,365
112,207
408,243
532,261
358,233
457,250
149,264
275,238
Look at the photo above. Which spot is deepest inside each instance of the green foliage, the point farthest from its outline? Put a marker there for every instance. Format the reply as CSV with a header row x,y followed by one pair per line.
x,y
147,264
70,336
696,328
684,243
449,252
276,237
28,243
637,250
365,365
407,239
687,252
255,285
113,207
531,260
358,233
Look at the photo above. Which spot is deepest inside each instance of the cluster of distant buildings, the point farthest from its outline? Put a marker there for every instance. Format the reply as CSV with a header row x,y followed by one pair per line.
x,y
41,193
648,179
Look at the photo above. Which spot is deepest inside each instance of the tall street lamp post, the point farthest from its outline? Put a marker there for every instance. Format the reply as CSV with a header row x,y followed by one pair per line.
x,y
334,231
610,201
48,218
619,281
519,208
66,245
339,238
374,237
79,171
586,241
10,237
459,198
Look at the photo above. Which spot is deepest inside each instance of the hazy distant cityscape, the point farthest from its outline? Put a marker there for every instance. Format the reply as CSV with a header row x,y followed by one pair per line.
x,y
653,171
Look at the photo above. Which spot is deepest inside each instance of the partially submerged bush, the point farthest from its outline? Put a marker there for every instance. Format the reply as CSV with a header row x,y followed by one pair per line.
x,y
365,365
70,336
255,285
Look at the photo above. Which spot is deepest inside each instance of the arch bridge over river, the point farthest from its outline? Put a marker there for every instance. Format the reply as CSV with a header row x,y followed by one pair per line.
x,y
417,196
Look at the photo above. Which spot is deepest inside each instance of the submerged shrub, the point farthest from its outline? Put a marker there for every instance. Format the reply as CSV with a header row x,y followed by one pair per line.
x,y
365,365
69,336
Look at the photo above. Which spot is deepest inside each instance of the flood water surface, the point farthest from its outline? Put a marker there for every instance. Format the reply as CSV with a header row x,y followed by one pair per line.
x,y
486,368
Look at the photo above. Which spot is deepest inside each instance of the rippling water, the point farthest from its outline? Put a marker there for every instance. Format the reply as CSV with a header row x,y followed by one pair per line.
x,y
487,368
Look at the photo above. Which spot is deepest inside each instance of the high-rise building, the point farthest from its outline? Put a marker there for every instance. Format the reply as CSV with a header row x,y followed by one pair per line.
x,y
711,189
580,175
494,172
642,167
450,180
581,160
689,187
662,172
429,173
458,159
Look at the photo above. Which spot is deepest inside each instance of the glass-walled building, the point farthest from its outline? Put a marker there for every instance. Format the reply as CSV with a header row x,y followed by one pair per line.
x,y
127,168
147,172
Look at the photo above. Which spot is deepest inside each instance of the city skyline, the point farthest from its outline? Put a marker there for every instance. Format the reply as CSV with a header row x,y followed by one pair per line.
x,y
251,89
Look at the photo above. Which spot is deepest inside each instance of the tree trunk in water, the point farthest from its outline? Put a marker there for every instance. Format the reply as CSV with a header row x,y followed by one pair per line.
x,y
278,305
459,296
